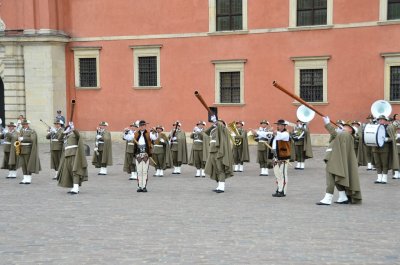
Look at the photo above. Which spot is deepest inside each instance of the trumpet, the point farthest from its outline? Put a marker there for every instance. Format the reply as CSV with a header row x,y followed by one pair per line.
x,y
17,145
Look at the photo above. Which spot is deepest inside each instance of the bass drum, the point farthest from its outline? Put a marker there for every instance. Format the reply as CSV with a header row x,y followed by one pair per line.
x,y
374,135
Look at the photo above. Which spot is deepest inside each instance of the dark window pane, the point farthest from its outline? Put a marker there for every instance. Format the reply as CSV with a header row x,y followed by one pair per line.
x,y
229,15
230,87
393,9
395,83
311,12
311,85
148,71
87,72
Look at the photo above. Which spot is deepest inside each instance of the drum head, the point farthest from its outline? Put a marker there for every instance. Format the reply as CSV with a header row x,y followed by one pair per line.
x,y
380,135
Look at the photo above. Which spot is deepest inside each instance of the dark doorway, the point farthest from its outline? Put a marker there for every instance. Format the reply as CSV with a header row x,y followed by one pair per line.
x,y
2,116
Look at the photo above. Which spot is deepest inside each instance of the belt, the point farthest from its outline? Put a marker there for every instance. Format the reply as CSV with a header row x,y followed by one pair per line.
x,y
158,145
6,143
131,143
199,141
99,142
54,140
213,141
70,146
174,143
26,144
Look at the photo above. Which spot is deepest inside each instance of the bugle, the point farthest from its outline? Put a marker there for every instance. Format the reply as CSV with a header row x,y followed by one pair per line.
x,y
275,84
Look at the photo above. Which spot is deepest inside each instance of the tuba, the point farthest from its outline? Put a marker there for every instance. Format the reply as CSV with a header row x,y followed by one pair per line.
x,y
234,132
381,107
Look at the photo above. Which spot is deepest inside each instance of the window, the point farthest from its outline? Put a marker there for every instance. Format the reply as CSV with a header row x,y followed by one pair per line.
x,y
311,78
310,13
392,77
229,87
229,81
393,10
395,83
146,66
86,62
311,85
227,15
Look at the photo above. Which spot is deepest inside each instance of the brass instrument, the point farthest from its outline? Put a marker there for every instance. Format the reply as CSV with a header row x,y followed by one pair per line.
x,y
17,145
234,130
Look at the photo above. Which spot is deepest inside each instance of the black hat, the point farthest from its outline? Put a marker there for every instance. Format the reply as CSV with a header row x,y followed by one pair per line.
x,y
58,111
142,122
281,122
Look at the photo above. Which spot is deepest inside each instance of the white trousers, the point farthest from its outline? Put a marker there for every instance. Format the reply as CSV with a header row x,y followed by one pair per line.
x,y
142,170
280,171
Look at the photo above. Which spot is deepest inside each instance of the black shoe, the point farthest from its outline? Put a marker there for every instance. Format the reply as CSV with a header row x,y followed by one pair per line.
x,y
321,203
377,182
160,176
144,190
219,191
139,190
369,169
197,176
73,192
278,194
296,168
26,183
383,182
343,202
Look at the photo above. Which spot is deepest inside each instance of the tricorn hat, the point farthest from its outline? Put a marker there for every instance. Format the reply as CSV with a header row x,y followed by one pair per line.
x,y
25,121
11,124
281,122
264,122
159,127
201,123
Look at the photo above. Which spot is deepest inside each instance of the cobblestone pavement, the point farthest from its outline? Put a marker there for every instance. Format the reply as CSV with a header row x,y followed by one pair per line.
x,y
181,221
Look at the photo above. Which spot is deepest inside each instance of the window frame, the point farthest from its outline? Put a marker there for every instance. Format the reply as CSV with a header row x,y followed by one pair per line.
x,y
212,13
383,13
311,62
146,51
293,17
86,52
222,66
391,59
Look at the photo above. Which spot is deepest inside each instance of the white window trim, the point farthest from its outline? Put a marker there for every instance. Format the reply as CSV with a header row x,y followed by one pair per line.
x,y
212,13
293,16
311,62
391,59
86,52
383,8
222,66
141,51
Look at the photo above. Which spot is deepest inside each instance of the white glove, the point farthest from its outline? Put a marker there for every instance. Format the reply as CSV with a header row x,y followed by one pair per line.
x,y
53,130
213,118
71,125
98,136
153,136
95,149
386,139
326,120
173,138
339,129
20,139
233,134
162,140
67,130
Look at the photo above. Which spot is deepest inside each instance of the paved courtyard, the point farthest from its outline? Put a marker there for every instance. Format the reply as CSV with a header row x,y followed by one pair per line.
x,y
181,221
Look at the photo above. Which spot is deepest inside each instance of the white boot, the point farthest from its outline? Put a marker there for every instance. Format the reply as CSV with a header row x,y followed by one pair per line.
x,y
221,187
327,200
178,170
175,170
342,198
266,172
14,174
396,175
198,173
101,172
23,181
297,165
157,173
240,168
379,179
28,179
75,189
9,175
369,166
202,173
302,165
132,176
55,176
105,171
161,173
384,178
236,168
